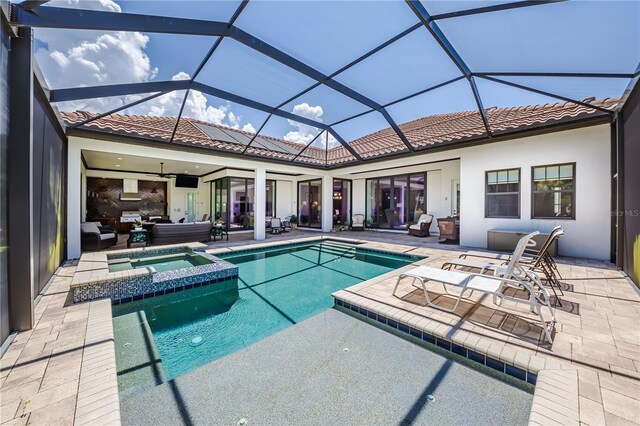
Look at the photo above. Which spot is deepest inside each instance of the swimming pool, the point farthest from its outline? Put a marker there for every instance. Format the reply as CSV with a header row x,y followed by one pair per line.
x,y
161,263
276,289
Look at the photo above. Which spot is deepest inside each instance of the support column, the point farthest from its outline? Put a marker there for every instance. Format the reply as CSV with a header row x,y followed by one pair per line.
x,y
74,199
20,178
327,203
259,204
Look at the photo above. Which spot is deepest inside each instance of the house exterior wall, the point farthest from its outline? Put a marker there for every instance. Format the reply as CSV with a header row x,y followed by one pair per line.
x,y
586,236
588,147
285,205
440,178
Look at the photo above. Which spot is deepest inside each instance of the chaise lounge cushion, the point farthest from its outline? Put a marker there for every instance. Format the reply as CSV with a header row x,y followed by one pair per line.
x,y
421,229
90,227
172,233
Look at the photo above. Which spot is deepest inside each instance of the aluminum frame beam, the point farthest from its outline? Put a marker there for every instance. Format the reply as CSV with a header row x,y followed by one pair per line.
x,y
426,19
556,74
113,111
32,4
494,8
307,146
542,92
90,92
80,19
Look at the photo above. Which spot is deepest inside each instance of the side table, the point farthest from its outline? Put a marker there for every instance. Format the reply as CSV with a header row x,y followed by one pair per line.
x,y
138,236
219,231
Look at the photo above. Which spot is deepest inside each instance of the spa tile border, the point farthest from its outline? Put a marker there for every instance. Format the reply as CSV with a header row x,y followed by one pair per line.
x,y
127,286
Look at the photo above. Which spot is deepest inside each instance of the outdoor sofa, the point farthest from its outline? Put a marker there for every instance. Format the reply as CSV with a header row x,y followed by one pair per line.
x,y
172,233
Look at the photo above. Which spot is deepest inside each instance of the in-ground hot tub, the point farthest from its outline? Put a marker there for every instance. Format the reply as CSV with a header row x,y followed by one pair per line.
x,y
134,274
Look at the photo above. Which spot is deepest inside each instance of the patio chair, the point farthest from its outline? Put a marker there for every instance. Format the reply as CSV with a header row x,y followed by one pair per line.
x,y
513,275
421,229
449,230
357,222
94,236
286,223
276,225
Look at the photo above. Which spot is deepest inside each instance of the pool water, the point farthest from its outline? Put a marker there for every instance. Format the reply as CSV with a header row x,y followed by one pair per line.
x,y
276,289
162,263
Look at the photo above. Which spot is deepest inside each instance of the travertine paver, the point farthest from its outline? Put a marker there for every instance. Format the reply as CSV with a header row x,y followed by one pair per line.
x,y
63,371
50,375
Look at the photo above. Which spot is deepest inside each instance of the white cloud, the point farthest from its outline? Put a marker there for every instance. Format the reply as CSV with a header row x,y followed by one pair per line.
x,y
249,128
305,133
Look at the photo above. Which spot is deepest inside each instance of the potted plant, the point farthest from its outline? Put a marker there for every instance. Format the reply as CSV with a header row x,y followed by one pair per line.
x,y
293,221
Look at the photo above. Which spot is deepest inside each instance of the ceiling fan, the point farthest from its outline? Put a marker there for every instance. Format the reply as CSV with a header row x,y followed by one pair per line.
x,y
162,174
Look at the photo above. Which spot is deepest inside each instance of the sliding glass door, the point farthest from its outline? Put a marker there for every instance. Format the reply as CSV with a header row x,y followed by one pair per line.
x,y
232,202
341,201
395,202
310,203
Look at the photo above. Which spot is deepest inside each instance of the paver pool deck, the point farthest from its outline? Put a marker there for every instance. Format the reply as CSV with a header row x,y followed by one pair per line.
x,y
63,370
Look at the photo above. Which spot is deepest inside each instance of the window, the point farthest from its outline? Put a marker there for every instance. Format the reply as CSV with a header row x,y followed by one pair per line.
x,y
233,202
554,191
502,193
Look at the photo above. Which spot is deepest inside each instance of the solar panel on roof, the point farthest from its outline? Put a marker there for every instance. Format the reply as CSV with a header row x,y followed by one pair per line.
x,y
274,145
239,136
216,133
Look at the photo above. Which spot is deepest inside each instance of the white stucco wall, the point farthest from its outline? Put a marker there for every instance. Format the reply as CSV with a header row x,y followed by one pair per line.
x,y
586,236
284,202
358,196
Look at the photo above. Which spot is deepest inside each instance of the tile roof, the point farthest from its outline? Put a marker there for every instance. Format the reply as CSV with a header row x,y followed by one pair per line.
x,y
430,131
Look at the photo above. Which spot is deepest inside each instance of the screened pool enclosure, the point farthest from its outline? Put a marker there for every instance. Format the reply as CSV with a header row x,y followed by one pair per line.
x,y
310,83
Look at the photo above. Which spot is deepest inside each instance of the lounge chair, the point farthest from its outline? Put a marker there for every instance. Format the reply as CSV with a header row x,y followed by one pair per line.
x,y
539,261
357,222
421,229
276,225
513,275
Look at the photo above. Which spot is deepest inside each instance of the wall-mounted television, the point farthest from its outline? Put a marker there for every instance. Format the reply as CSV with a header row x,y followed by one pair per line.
x,y
186,181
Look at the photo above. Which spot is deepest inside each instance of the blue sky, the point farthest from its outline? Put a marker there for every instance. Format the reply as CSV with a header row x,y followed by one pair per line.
x,y
576,36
